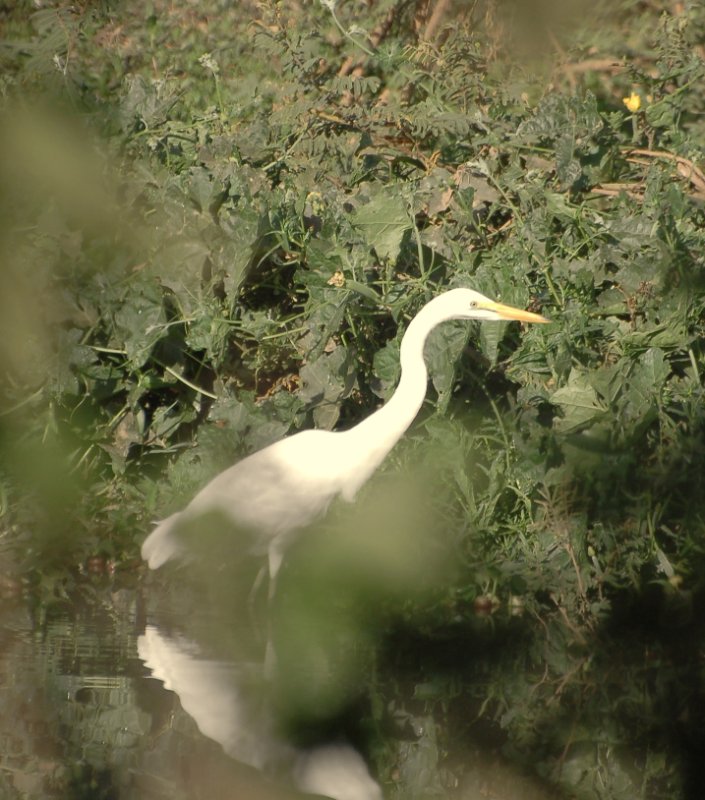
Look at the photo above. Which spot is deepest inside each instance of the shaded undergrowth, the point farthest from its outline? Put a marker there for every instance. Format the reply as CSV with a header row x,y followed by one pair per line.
x,y
215,227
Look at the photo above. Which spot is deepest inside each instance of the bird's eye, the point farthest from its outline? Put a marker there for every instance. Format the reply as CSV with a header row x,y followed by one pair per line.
x,y
473,304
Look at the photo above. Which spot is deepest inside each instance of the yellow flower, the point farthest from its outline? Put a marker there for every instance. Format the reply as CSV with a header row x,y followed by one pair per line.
x,y
633,102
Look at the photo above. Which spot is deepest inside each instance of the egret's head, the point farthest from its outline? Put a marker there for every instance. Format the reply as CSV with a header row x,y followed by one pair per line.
x,y
468,304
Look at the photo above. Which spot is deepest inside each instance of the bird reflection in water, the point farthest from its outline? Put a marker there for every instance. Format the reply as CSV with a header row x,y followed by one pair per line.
x,y
228,703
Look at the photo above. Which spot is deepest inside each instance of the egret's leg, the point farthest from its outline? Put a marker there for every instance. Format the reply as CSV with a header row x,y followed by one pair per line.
x,y
270,660
256,586
275,557
252,596
275,561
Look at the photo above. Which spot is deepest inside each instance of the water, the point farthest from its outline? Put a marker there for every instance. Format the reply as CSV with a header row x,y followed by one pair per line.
x,y
84,716
155,686
137,692
69,680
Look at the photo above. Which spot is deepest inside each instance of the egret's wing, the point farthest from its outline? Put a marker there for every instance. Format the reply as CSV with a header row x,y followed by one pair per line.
x,y
278,489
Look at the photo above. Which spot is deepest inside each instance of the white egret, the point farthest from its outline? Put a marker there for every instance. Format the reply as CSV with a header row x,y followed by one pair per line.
x,y
283,487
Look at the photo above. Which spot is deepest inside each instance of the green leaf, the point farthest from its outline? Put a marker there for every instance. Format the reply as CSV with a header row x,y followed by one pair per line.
x,y
662,113
240,249
140,323
202,188
646,380
328,310
386,368
325,382
383,222
443,348
579,403
71,357
363,290
653,369
490,337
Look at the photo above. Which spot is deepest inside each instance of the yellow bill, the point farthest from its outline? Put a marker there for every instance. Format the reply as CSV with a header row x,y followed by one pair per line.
x,y
509,312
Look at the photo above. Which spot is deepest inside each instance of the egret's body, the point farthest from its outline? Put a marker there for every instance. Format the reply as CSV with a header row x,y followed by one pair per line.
x,y
287,485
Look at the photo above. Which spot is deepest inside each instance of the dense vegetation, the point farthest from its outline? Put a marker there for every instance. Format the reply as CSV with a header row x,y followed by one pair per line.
x,y
216,220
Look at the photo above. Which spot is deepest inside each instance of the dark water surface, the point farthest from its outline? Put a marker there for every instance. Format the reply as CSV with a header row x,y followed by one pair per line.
x,y
99,700
165,688
81,716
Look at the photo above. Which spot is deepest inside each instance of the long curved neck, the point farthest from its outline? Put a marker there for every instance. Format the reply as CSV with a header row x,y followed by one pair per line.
x,y
376,435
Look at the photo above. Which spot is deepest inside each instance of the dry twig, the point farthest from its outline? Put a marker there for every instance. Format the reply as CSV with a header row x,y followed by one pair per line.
x,y
686,168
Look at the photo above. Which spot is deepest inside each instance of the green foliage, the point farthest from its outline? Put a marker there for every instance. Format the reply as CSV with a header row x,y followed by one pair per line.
x,y
222,242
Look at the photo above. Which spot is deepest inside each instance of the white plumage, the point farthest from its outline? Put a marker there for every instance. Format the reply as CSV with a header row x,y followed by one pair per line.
x,y
220,698
287,485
